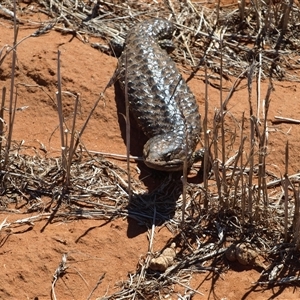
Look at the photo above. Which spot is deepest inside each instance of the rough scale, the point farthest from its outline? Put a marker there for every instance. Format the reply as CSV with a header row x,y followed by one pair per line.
x,y
160,100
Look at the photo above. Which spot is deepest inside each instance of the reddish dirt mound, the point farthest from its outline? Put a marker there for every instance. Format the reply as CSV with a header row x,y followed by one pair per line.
x,y
29,258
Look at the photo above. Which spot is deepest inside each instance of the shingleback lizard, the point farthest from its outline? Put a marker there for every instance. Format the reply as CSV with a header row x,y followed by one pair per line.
x,y
159,98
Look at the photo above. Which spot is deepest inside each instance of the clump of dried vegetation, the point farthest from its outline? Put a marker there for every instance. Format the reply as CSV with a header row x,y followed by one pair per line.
x,y
241,210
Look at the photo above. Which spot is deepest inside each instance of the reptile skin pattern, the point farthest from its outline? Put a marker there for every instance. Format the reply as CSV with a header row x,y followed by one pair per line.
x,y
159,98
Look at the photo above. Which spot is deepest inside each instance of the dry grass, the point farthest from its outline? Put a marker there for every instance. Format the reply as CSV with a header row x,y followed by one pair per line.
x,y
241,201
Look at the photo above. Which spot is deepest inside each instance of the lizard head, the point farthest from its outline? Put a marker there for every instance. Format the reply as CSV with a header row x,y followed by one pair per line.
x,y
165,152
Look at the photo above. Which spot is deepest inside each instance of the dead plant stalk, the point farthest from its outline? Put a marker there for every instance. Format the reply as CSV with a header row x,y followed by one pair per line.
x,y
12,101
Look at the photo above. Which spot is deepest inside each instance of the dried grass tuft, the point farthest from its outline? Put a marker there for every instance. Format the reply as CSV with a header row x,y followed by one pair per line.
x,y
240,203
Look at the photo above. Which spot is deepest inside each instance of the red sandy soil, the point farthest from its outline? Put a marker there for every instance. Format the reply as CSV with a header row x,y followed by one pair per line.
x,y
29,259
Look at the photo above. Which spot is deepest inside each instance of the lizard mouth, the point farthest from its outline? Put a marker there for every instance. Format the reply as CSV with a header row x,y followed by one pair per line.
x,y
168,166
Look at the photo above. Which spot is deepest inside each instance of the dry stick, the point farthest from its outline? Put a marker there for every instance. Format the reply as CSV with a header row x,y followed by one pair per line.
x,y
2,122
286,192
252,141
13,115
12,111
96,286
285,120
89,117
234,87
58,273
216,162
296,220
251,170
8,12
184,181
263,151
191,5
222,113
114,155
258,87
206,142
71,147
276,13
127,131
286,15
11,49
259,41
241,5
187,288
258,13
296,223
60,116
294,177
170,4
184,173
218,15
237,178
101,96
268,18
151,239
284,22
263,139
249,87
261,154
243,199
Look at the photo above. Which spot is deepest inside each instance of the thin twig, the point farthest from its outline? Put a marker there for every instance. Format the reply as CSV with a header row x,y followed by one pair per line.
x,y
279,119
96,286
59,272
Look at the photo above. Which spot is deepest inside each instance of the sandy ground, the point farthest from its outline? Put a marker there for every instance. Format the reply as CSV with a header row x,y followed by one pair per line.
x,y
29,259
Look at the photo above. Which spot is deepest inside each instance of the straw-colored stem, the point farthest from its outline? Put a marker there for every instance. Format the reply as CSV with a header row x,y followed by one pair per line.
x,y
258,87
241,4
286,15
263,143
206,143
215,164
218,12
127,132
72,142
184,175
286,192
233,175
286,8
60,114
89,117
243,200
222,114
296,224
12,87
251,161
2,123
184,189
249,88
257,6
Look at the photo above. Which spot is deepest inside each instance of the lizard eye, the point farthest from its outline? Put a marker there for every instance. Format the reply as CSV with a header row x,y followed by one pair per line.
x,y
168,156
